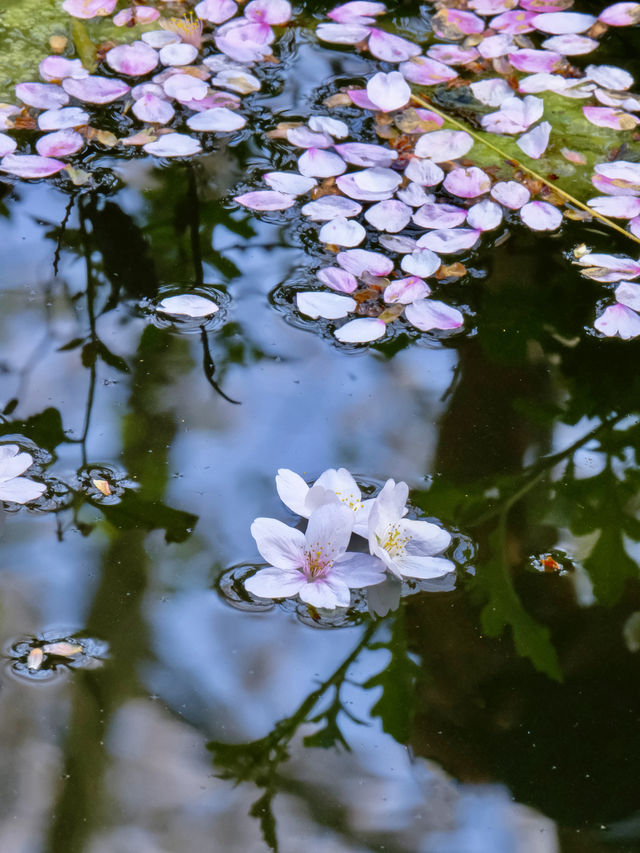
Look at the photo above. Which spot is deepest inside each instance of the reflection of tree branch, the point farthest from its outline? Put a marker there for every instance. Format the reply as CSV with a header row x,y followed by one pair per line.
x,y
60,237
209,367
193,212
259,760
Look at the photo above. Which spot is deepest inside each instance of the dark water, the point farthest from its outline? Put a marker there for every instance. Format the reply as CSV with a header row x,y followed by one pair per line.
x,y
496,714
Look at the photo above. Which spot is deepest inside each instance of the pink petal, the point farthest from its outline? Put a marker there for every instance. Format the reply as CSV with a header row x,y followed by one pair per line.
x,y
358,261
388,91
291,183
318,163
485,215
361,331
30,165
347,185
510,194
360,98
7,145
618,178
449,241
96,90
366,154
493,47
266,200
427,314
333,126
443,145
43,96
451,54
621,14
66,117
216,11
628,294
275,583
356,11
187,305
184,87
563,23
331,306
280,545
152,109
391,48
137,15
616,207
216,120
492,92
540,216
268,11
467,183
427,72
342,232
491,7
173,145
513,22
608,117
55,68
178,54
302,137
406,290
437,215
89,8
454,24
159,38
609,76
619,320
329,207
570,45
377,179
414,195
608,267
536,60
342,33
389,215
244,41
401,244
60,143
337,279
422,263
134,60
535,142
426,173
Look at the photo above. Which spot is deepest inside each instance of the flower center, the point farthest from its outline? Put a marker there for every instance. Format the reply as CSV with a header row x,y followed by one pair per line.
x,y
350,500
395,540
317,562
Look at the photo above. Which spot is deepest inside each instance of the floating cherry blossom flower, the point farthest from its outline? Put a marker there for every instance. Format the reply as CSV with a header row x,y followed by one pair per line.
x,y
13,487
331,306
188,305
314,565
407,548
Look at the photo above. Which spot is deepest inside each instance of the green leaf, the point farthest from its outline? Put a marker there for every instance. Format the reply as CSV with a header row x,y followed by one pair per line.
x,y
85,48
45,429
609,566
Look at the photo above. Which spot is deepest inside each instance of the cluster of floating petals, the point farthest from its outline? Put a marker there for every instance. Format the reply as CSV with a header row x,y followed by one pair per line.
x,y
316,565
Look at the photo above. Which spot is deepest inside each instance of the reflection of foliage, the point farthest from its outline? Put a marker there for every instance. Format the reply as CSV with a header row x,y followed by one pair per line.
x,y
259,761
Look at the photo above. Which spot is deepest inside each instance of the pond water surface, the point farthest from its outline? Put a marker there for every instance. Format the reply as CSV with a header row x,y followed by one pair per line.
x,y
494,711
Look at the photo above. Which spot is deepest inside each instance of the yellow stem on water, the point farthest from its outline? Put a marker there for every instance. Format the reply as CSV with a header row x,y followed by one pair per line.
x,y
462,126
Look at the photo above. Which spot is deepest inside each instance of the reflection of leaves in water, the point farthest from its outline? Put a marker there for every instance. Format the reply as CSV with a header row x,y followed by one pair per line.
x,y
396,705
44,429
134,512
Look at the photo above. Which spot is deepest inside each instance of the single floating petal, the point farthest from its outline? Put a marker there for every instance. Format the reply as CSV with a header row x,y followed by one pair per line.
x,y
329,207
485,215
391,48
540,216
426,72
152,109
333,126
319,163
534,143
331,306
347,185
388,91
342,232
389,215
492,92
467,183
628,294
291,183
608,117
514,22
361,331
54,68
510,194
449,241
422,263
274,12
609,76
159,38
338,279
377,179
302,137
184,87
366,154
406,290
443,145
342,33
453,24
7,145
356,11
60,143
403,245
427,314
571,44
173,145
137,15
426,173
216,11
563,23
438,215
30,165
616,207
134,60
66,117
188,305
89,8
178,54
42,96
358,261
266,200
608,268
216,120
96,90
536,60
621,15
